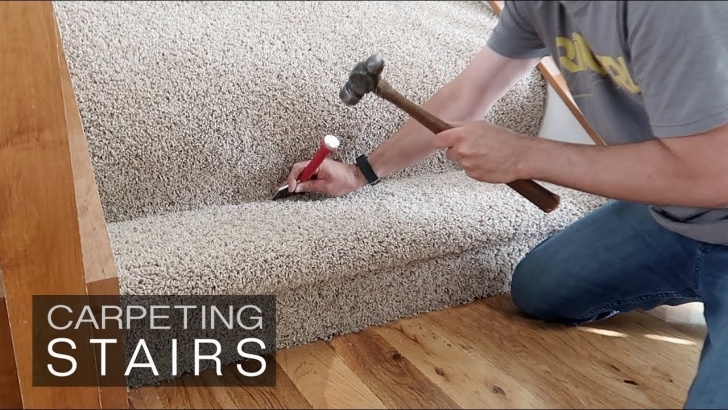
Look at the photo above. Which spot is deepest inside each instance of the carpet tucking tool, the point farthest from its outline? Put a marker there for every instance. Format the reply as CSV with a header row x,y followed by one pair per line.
x,y
328,145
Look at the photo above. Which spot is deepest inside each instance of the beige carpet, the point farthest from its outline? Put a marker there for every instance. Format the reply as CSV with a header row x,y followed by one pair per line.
x,y
195,111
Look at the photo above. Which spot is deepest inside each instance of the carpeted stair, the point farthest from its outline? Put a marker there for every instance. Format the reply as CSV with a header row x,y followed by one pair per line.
x,y
195,111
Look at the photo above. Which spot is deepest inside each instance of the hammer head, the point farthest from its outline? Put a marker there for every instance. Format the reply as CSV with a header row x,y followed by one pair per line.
x,y
363,79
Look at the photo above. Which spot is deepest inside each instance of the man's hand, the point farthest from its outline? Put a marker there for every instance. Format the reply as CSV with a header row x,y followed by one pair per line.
x,y
332,178
486,152
680,171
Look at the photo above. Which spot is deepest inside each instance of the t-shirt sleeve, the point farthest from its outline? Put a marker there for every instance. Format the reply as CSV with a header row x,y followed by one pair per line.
x,y
679,57
514,36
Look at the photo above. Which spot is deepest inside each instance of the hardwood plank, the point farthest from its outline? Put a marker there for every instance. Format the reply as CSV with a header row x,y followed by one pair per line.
x,y
389,373
586,357
40,245
623,329
149,400
324,379
188,396
180,394
10,391
284,395
479,355
529,364
470,382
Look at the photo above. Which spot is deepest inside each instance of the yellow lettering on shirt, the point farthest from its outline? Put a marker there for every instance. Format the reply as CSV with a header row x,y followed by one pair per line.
x,y
575,56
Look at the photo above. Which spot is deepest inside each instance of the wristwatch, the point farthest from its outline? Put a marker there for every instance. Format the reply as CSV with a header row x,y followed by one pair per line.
x,y
363,163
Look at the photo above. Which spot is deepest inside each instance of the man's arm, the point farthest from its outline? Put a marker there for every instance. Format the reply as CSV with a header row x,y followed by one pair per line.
x,y
513,49
687,171
466,98
679,57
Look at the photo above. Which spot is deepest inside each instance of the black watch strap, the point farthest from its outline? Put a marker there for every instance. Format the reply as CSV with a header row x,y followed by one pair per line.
x,y
363,163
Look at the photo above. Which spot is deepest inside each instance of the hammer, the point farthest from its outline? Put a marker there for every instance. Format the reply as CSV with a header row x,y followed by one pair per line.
x,y
365,77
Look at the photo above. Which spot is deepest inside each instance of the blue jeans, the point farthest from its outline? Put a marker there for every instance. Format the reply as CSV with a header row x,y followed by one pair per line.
x,y
619,259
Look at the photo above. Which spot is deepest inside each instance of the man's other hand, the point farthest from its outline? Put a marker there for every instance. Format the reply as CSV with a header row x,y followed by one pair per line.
x,y
485,151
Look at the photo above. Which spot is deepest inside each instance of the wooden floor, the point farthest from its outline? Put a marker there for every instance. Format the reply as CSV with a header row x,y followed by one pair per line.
x,y
480,355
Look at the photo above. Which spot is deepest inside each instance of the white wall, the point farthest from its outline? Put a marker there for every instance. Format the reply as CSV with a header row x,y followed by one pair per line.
x,y
559,123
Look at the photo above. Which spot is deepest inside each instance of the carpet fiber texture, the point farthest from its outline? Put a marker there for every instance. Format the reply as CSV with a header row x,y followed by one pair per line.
x,y
195,111
187,104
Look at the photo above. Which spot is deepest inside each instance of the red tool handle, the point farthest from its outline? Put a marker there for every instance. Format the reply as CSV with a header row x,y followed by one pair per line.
x,y
328,145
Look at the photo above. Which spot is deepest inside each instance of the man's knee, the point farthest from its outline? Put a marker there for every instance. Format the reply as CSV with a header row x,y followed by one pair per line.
x,y
537,288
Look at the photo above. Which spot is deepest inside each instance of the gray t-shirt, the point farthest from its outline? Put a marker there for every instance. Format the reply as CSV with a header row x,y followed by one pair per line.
x,y
637,70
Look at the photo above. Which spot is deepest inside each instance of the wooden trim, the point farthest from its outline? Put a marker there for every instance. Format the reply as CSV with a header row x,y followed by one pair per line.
x,y
48,242
111,397
553,76
98,257
104,287
10,389
40,247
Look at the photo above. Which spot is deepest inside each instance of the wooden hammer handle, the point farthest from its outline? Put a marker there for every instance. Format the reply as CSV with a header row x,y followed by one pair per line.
x,y
546,200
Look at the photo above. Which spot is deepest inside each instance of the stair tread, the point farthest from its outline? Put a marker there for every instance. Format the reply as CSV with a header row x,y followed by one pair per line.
x,y
266,246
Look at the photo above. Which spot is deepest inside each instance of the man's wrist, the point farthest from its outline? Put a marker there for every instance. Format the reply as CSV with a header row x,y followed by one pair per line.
x,y
537,156
359,178
366,170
